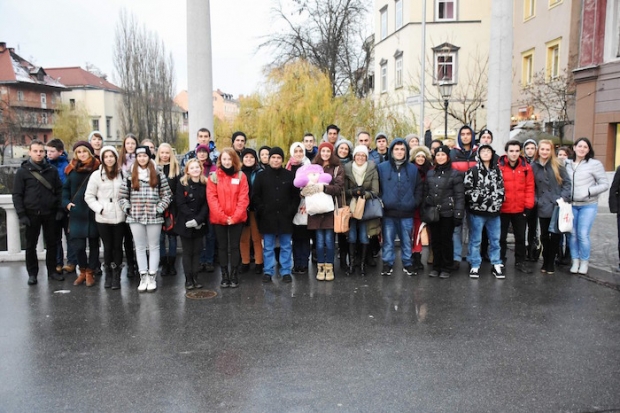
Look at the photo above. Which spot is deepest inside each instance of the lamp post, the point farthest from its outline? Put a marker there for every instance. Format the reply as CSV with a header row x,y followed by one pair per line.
x,y
445,89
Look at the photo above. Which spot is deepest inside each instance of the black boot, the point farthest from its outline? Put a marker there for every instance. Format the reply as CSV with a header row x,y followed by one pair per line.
x,y
171,265
363,260
234,278
351,268
189,281
195,281
258,268
108,276
225,283
417,261
343,256
165,266
116,276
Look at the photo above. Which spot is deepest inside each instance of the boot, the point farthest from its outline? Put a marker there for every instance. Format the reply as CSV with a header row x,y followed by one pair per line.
x,y
258,268
351,268
143,282
417,261
90,277
575,267
343,257
363,260
566,260
81,278
189,281
583,267
165,266
195,281
116,276
108,276
172,261
329,272
225,283
234,278
151,282
320,275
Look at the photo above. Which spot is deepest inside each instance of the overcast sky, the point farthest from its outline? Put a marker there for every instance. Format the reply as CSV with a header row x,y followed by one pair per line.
x,y
57,33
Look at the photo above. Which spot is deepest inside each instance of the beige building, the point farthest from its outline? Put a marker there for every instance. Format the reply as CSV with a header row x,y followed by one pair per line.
x,y
225,107
456,51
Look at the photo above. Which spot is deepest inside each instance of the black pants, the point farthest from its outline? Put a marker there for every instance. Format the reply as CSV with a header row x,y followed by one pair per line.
x,y
442,244
550,242
532,226
618,221
129,250
92,259
191,254
519,224
112,237
228,237
49,225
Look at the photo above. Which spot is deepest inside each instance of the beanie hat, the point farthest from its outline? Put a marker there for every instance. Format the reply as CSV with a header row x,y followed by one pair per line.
x,y
239,133
108,148
326,145
411,136
443,148
143,149
84,144
342,142
93,133
485,131
250,151
485,146
264,147
276,150
202,147
295,145
360,149
527,142
380,135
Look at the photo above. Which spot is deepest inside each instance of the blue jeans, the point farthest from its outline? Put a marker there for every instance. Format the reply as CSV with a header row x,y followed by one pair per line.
x,y
493,225
357,232
325,246
269,255
457,238
403,228
63,227
172,245
579,240
207,255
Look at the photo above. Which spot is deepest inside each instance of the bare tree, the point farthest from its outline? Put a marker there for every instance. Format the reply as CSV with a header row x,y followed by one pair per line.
x,y
145,72
16,123
330,34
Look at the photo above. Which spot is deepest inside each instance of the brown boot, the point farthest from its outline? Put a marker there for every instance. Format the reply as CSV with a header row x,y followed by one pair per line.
x,y
81,278
90,277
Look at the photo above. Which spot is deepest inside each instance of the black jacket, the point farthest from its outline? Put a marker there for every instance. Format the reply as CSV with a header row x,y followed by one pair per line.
x,y
276,201
443,187
31,196
191,203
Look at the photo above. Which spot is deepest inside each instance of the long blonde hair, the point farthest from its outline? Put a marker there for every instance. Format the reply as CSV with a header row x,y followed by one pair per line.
x,y
553,161
185,177
174,164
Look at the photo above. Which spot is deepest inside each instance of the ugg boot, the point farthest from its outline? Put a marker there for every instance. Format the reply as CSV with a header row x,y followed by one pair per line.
x,y
575,267
172,261
351,268
116,276
363,260
90,277
234,278
81,278
143,282
151,282
189,281
583,267
329,272
320,275
107,270
225,283
417,261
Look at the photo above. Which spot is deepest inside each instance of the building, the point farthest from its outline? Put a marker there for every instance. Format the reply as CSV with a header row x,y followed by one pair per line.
x,y
101,99
545,52
456,52
225,107
597,78
28,99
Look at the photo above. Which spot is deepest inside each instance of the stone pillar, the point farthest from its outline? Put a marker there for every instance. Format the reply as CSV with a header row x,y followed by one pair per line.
x,y
199,68
500,73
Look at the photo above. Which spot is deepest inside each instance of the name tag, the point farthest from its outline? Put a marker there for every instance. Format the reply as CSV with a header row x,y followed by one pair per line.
x,y
235,181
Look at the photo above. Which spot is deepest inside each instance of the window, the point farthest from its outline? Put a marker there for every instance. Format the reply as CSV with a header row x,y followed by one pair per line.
x,y
20,95
44,118
72,104
444,67
612,31
383,76
529,9
398,10
527,70
445,10
108,131
384,22
398,71
553,3
553,59
95,124
43,100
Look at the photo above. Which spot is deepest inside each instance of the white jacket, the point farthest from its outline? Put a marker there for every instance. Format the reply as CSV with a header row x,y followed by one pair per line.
x,y
102,197
588,180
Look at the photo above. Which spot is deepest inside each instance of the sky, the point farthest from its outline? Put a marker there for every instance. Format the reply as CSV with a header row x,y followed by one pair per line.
x,y
61,33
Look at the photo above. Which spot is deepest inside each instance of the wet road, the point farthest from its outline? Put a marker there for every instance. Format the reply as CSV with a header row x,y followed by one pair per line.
x,y
526,344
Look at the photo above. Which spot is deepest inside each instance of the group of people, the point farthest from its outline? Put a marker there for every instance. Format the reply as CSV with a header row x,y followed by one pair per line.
x,y
244,203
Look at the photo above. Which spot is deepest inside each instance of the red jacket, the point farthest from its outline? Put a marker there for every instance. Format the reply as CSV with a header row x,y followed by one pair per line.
x,y
518,185
228,198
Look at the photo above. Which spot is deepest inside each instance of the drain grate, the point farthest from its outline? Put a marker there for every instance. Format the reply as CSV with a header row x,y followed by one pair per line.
x,y
201,295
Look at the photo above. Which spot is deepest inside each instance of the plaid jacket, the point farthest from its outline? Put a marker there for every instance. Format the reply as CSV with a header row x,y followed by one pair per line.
x,y
146,205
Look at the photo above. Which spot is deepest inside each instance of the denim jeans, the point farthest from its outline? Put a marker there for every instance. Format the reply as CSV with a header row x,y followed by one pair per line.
x,y
286,257
325,246
477,223
358,232
172,245
579,239
403,228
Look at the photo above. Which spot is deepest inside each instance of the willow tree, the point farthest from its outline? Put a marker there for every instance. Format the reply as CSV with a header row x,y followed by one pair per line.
x,y
71,124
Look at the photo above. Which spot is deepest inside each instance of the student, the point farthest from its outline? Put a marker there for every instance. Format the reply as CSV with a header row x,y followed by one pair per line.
x,y
127,156
96,141
614,201
421,158
250,234
530,148
169,165
263,156
203,137
309,146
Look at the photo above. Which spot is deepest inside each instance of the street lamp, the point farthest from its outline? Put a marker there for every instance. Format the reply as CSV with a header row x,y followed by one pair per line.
x,y
445,89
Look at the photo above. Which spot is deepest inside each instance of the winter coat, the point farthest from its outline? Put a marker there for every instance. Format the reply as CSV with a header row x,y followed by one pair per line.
x,y
251,177
548,191
228,197
276,201
146,205
376,157
588,180
335,188
191,203
102,197
484,190
370,185
60,163
518,186
614,193
213,154
443,188
463,160
31,196
82,222
172,183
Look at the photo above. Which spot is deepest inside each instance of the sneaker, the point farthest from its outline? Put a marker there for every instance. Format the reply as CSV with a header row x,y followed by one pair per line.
x,y
410,270
444,275
287,278
266,278
498,271
387,270
143,282
433,273
474,273
151,284
297,270
522,267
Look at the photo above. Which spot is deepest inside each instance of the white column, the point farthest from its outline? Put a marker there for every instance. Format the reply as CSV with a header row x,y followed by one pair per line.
x,y
13,241
500,73
199,68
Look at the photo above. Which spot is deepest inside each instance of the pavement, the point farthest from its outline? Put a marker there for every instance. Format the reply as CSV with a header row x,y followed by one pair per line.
x,y
529,343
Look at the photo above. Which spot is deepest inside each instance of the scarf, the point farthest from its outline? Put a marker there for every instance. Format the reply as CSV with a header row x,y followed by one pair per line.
x,y
143,174
359,172
228,171
294,162
75,165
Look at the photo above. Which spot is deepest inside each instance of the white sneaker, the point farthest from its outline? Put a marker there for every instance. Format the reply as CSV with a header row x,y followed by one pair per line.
x,y
575,267
151,284
583,267
143,282
474,273
498,271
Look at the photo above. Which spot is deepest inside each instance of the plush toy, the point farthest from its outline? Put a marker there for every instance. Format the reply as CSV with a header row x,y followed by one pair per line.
x,y
312,180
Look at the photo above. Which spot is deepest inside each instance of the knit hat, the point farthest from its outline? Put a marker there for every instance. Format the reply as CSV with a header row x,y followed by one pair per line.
x,y
202,147
239,133
93,133
411,136
264,147
360,149
421,150
443,148
84,144
250,151
276,150
342,142
527,142
485,131
108,148
381,135
295,145
143,149
326,145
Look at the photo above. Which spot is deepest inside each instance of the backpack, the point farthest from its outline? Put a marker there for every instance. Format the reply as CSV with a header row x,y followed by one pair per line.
x,y
213,176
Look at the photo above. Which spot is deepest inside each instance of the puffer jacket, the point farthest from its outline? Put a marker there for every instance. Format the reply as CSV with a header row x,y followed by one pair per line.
x,y
484,190
518,186
370,184
443,187
146,205
548,191
588,179
228,197
102,197
614,193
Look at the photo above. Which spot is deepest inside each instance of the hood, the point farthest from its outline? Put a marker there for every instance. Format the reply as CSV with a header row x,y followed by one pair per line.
x,y
93,133
397,141
340,137
473,137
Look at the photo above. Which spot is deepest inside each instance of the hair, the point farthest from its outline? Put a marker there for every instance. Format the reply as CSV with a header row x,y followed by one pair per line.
x,y
174,164
590,153
123,152
204,130
513,142
336,128
153,175
145,141
567,149
233,155
111,172
35,142
56,144
184,179
333,159
309,134
363,132
553,160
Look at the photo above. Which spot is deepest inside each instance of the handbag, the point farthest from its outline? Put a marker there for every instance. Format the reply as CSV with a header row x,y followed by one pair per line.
x,y
553,224
565,216
169,219
301,218
430,213
373,209
357,206
341,218
319,203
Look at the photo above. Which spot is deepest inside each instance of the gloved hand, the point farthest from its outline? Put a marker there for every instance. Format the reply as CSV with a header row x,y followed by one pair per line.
x,y
60,215
191,224
359,191
527,212
312,189
458,222
127,210
159,210
199,226
24,221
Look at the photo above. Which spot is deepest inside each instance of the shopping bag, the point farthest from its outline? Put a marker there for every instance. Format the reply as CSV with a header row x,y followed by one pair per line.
x,y
565,216
357,207
301,218
319,203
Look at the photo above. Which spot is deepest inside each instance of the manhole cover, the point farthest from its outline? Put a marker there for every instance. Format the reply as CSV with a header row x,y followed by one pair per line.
x,y
201,295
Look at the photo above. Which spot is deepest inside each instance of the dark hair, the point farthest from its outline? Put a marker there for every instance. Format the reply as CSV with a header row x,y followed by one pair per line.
x,y
56,144
590,153
35,142
332,127
112,171
567,149
309,134
123,152
203,130
512,142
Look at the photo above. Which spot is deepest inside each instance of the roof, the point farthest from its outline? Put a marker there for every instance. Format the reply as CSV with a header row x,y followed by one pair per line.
x,y
76,77
181,100
15,69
